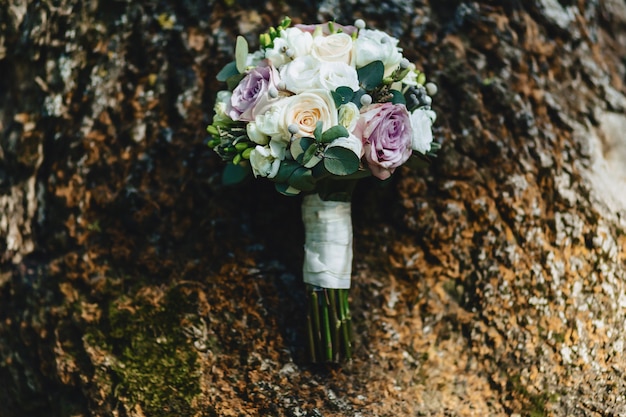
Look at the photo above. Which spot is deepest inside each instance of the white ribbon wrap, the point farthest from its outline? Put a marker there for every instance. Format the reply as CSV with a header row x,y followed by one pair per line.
x,y
328,242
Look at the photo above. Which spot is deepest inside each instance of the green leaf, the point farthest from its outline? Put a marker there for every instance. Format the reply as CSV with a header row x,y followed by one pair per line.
x,y
228,71
333,133
285,170
398,97
356,98
340,161
417,160
233,81
286,189
308,154
342,95
234,174
302,179
318,130
299,146
241,53
371,75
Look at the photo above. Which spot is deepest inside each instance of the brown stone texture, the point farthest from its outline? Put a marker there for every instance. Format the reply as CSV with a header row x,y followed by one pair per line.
x,y
133,283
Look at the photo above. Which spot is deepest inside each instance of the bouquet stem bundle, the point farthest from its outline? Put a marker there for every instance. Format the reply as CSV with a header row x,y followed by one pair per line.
x,y
329,325
327,271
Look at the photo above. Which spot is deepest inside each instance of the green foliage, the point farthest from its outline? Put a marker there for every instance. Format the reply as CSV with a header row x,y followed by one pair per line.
x,y
340,161
228,71
235,173
333,133
371,75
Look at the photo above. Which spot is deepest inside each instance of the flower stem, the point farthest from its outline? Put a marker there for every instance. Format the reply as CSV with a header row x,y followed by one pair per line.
x,y
328,344
346,323
335,323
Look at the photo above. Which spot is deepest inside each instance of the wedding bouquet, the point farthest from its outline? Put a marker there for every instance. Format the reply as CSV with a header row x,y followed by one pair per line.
x,y
315,109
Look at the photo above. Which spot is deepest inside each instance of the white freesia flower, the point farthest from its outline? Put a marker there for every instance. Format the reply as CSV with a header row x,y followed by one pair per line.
x,y
333,48
375,45
338,74
271,122
410,79
306,109
256,135
302,74
263,162
299,44
223,97
348,116
421,125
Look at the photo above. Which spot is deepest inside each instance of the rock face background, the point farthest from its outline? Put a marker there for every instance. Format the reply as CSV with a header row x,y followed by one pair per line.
x,y
132,283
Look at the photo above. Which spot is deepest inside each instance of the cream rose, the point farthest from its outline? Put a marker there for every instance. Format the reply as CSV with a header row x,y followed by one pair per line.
x,y
333,48
337,74
306,109
349,116
301,74
375,45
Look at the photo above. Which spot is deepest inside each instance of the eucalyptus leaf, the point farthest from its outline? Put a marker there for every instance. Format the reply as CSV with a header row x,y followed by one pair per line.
x,y
286,189
333,133
234,174
228,71
234,80
342,95
340,161
308,155
371,75
302,179
285,170
397,97
318,130
241,53
299,146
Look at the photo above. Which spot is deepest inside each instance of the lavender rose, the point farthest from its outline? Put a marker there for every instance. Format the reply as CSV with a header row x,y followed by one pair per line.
x,y
385,130
252,94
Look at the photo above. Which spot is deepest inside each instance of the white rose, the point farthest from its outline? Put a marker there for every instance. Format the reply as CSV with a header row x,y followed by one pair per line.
x,y
299,44
271,122
421,125
301,74
337,74
306,109
333,48
255,134
348,116
375,45
263,162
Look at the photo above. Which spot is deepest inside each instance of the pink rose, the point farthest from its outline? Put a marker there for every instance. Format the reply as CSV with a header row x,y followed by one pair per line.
x,y
385,130
252,94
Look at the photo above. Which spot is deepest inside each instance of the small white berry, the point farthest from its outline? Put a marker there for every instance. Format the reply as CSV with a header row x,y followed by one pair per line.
x,y
359,24
281,85
293,128
404,63
366,99
431,89
272,92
